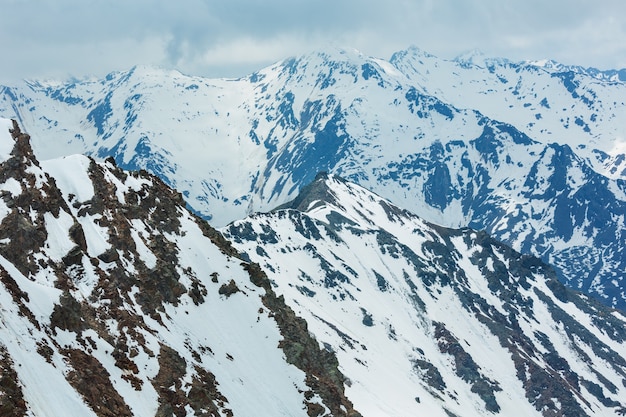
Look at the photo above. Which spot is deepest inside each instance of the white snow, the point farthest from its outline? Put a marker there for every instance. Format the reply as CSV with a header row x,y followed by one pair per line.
x,y
139,234
12,186
58,242
96,236
71,176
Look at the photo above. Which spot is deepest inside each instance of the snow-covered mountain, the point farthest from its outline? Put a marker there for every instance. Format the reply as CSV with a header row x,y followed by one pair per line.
x,y
534,153
433,321
115,300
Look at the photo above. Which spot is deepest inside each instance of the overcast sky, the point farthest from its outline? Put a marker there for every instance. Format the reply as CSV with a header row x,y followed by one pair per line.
x,y
230,38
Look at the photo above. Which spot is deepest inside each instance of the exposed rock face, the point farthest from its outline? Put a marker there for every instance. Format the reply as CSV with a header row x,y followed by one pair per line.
x,y
302,350
93,382
134,306
24,227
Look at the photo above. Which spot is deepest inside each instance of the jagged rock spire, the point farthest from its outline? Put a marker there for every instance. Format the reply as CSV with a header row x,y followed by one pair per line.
x,y
22,141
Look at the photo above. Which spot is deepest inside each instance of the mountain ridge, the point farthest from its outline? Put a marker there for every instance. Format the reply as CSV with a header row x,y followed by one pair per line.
x,y
376,282
116,300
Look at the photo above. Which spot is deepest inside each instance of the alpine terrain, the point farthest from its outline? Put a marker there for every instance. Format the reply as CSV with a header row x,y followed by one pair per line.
x,y
116,300
435,321
533,153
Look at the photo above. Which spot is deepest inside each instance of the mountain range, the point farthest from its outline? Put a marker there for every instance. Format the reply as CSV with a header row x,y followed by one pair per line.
x,y
533,153
117,300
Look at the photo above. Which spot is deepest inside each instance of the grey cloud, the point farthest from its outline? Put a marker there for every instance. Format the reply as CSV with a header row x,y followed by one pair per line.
x,y
75,35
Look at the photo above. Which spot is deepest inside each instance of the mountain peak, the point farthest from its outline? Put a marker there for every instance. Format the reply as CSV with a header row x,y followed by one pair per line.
x,y
472,56
7,142
412,53
478,58
312,195
331,199
16,151
22,141
333,55
337,52
417,51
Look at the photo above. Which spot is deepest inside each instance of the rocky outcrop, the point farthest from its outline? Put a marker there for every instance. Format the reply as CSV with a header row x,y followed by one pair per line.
x,y
12,402
302,350
23,229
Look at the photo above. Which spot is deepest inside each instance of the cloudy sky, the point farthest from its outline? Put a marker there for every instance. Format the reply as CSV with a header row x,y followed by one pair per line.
x,y
223,38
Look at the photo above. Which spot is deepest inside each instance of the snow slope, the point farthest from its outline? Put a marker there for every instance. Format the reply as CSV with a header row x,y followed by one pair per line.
x,y
432,321
115,300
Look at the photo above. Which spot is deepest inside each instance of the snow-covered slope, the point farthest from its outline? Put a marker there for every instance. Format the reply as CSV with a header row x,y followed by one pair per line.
x,y
583,108
532,153
116,301
433,321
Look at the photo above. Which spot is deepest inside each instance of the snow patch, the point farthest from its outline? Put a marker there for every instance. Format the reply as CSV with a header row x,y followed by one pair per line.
x,y
58,243
71,174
